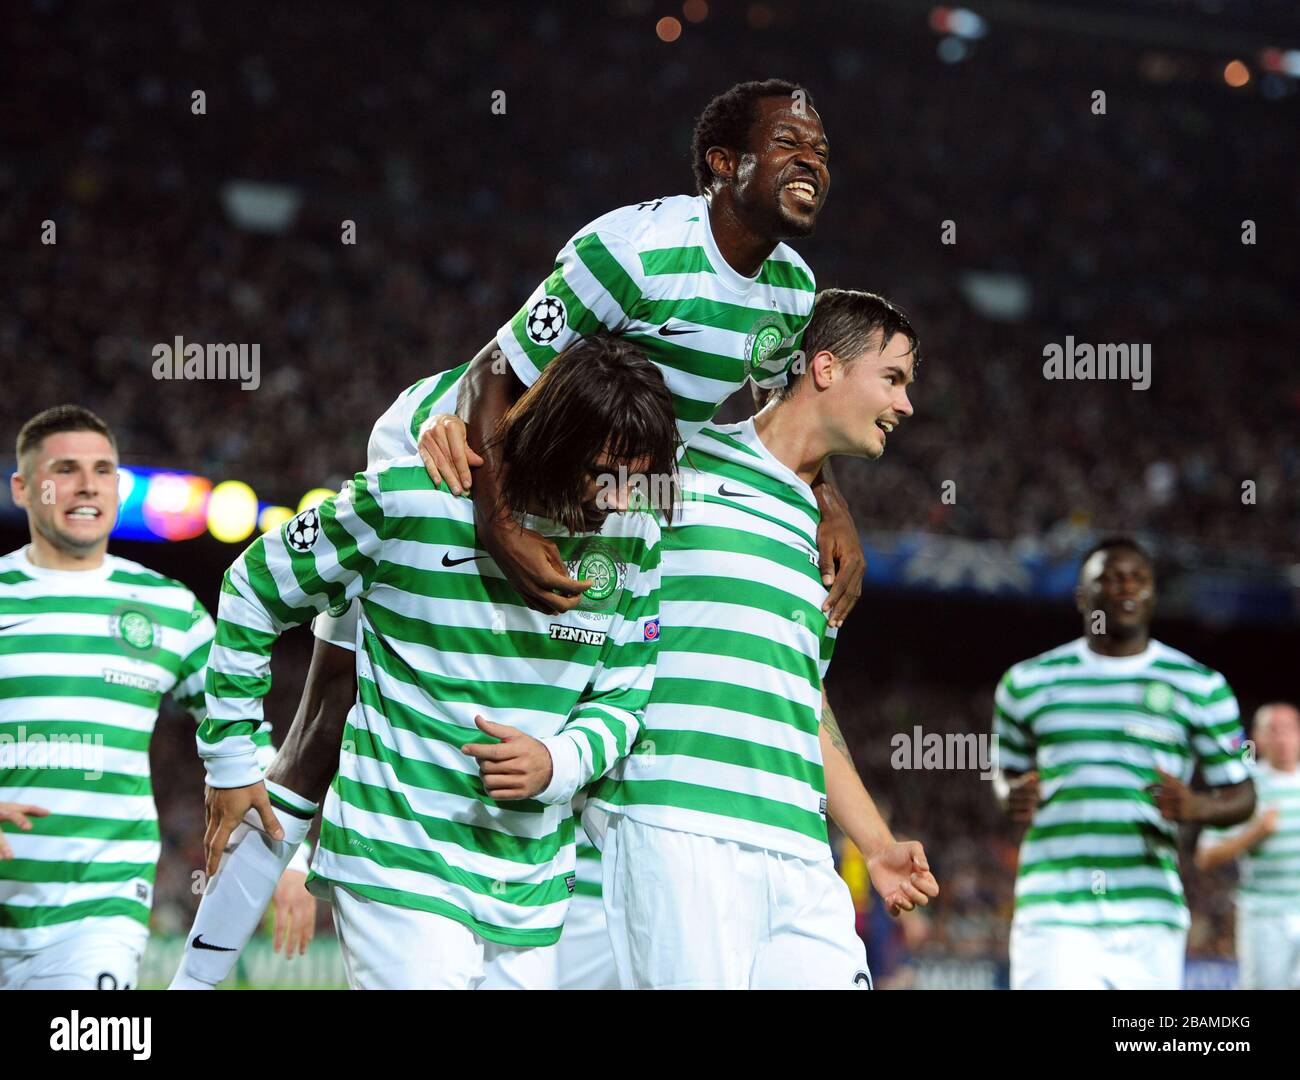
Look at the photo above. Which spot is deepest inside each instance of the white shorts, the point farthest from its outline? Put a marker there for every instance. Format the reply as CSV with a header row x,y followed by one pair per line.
x,y
1268,950
1102,958
93,960
695,912
394,948
585,956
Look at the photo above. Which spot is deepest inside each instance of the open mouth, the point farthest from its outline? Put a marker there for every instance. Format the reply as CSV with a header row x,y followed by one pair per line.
x,y
84,513
886,426
804,192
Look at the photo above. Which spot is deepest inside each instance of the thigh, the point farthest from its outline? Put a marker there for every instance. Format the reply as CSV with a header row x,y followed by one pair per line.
x,y
1057,958
393,948
1262,956
584,955
1150,958
684,911
87,962
814,944
509,967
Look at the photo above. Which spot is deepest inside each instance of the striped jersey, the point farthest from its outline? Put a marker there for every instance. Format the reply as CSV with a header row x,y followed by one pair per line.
x,y
85,658
652,274
1096,728
1269,874
443,637
731,745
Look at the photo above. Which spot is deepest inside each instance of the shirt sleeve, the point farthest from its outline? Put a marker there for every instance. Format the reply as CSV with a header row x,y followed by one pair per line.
x,y
322,557
607,719
1016,745
596,285
397,432
188,691
1217,736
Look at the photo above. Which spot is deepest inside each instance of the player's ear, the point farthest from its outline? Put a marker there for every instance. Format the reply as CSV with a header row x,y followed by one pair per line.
x,y
18,489
722,162
822,369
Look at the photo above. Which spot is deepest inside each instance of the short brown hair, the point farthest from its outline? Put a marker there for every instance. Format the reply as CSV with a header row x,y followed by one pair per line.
x,y
599,392
843,323
54,421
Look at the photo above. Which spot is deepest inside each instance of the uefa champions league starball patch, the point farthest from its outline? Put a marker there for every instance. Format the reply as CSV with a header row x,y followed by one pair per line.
x,y
302,532
546,320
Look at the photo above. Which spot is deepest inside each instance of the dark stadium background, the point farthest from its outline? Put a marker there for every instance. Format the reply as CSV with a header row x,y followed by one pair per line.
x,y
1123,227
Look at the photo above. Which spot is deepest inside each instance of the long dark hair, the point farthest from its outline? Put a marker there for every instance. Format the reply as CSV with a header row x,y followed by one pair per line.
x,y
599,394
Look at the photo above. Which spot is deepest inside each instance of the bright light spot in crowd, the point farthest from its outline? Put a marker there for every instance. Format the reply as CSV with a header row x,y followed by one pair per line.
x,y
959,21
173,505
1287,63
695,10
125,483
232,511
314,497
272,517
668,29
952,50
1236,73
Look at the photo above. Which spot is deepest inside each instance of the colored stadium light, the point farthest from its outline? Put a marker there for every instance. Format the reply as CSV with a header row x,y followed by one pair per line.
x,y
952,50
668,29
1281,62
174,505
1236,74
314,497
157,504
695,11
272,517
959,22
232,511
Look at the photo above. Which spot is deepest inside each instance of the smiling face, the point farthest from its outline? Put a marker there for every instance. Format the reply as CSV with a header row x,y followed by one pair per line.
x,y
781,181
1120,583
68,486
863,398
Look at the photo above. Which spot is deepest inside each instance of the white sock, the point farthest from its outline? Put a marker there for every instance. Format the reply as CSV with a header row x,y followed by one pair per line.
x,y
239,892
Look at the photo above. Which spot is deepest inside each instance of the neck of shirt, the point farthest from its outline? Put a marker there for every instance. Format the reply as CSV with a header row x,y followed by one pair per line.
x,y
727,274
90,573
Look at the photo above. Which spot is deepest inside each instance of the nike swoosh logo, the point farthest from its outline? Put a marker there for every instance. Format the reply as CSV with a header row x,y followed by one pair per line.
x,y
722,490
199,943
667,331
11,625
447,560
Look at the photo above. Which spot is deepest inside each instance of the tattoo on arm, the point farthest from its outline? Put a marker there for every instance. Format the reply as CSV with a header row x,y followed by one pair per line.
x,y
835,735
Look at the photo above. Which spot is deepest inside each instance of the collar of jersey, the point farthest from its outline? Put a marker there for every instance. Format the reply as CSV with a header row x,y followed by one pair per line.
x,y
748,434
731,278
1119,664
99,573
